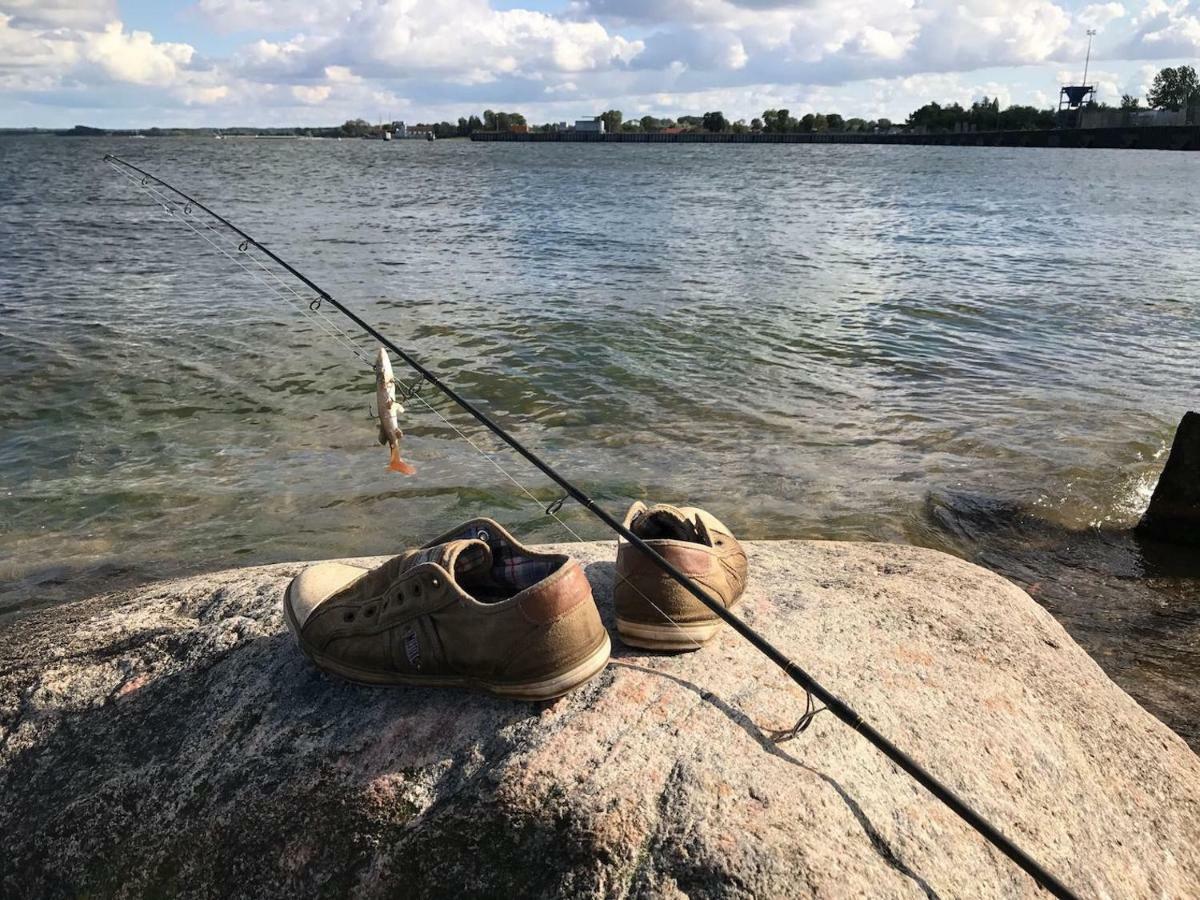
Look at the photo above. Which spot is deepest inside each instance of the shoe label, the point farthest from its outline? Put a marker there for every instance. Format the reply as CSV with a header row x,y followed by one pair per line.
x,y
412,647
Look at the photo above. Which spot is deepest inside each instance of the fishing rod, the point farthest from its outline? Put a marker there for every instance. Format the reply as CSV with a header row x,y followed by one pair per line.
x,y
834,704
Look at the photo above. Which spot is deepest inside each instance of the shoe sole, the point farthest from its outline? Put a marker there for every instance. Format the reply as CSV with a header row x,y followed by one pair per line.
x,y
670,636
667,637
547,688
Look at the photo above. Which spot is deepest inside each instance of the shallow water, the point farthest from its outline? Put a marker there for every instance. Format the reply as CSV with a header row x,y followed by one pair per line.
x,y
813,341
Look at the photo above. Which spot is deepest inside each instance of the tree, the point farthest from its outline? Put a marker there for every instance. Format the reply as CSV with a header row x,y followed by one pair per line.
x,y
777,121
1026,118
836,122
740,126
935,117
1174,88
855,124
714,121
820,122
611,119
649,123
489,120
985,114
356,128
756,124
1128,101
883,124
808,122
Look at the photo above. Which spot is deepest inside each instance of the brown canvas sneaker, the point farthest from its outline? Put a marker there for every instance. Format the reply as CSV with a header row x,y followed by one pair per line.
x,y
472,608
697,544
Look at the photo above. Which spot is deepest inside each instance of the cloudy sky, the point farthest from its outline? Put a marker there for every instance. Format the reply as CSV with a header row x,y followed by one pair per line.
x,y
137,63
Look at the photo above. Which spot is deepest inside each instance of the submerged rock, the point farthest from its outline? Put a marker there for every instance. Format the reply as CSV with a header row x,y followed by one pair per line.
x,y
1174,511
171,741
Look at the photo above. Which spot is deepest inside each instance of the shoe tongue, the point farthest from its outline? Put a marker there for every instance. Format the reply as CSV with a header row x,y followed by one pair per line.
x,y
459,558
667,522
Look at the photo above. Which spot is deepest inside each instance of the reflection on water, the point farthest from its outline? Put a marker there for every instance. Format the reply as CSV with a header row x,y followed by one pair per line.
x,y
810,340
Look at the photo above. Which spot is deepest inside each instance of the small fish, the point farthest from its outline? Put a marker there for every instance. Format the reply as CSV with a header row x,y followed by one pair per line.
x,y
389,410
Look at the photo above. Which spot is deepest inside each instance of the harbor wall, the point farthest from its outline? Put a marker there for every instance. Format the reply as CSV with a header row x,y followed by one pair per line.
x,y
1151,137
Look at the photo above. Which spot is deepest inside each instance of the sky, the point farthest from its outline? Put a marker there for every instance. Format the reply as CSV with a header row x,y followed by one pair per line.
x,y
138,63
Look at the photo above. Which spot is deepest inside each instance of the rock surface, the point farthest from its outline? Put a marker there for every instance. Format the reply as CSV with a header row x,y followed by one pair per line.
x,y
1174,511
171,741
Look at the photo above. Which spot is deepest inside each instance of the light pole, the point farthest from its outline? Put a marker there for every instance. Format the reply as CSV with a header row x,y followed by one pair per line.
x,y
1091,33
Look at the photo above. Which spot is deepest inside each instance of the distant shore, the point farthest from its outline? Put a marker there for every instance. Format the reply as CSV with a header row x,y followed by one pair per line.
x,y
1150,137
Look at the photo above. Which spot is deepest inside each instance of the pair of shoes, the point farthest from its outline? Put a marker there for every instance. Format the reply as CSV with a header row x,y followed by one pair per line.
x,y
477,608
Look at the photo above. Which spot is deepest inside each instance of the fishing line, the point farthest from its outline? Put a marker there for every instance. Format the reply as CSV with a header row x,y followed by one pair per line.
x,y
305,304
832,703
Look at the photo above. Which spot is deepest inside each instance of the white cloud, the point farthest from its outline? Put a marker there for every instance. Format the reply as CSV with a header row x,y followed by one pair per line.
x,y
1097,15
134,56
86,14
25,53
311,95
341,75
1163,31
203,96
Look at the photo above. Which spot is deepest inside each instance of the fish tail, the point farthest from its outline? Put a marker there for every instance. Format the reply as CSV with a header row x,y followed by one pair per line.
x,y
396,464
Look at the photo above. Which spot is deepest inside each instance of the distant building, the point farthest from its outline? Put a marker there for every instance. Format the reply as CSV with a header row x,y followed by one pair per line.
x,y
418,131
595,125
399,129
519,129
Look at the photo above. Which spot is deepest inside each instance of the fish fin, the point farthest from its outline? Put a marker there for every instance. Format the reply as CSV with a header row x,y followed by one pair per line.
x,y
396,464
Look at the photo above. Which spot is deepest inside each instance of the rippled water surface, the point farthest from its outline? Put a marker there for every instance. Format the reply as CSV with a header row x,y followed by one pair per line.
x,y
978,349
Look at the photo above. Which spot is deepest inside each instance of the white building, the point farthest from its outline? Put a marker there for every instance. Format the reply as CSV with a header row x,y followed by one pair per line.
x,y
596,125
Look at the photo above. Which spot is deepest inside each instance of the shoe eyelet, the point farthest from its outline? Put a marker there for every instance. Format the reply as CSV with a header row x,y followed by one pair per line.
x,y
370,611
483,535
417,589
348,617
436,582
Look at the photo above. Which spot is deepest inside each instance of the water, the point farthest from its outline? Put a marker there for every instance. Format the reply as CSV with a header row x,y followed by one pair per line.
x,y
983,350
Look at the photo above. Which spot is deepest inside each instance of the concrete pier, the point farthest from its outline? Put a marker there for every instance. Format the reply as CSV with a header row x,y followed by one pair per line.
x,y
1163,137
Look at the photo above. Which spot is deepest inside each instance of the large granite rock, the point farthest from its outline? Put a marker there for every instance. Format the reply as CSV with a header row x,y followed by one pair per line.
x,y
171,741
1174,511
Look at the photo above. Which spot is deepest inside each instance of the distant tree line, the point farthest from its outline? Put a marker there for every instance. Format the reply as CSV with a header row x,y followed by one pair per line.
x,y
1173,88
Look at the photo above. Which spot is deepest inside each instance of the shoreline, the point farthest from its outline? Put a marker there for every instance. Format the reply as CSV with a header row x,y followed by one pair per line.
x,y
1149,137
